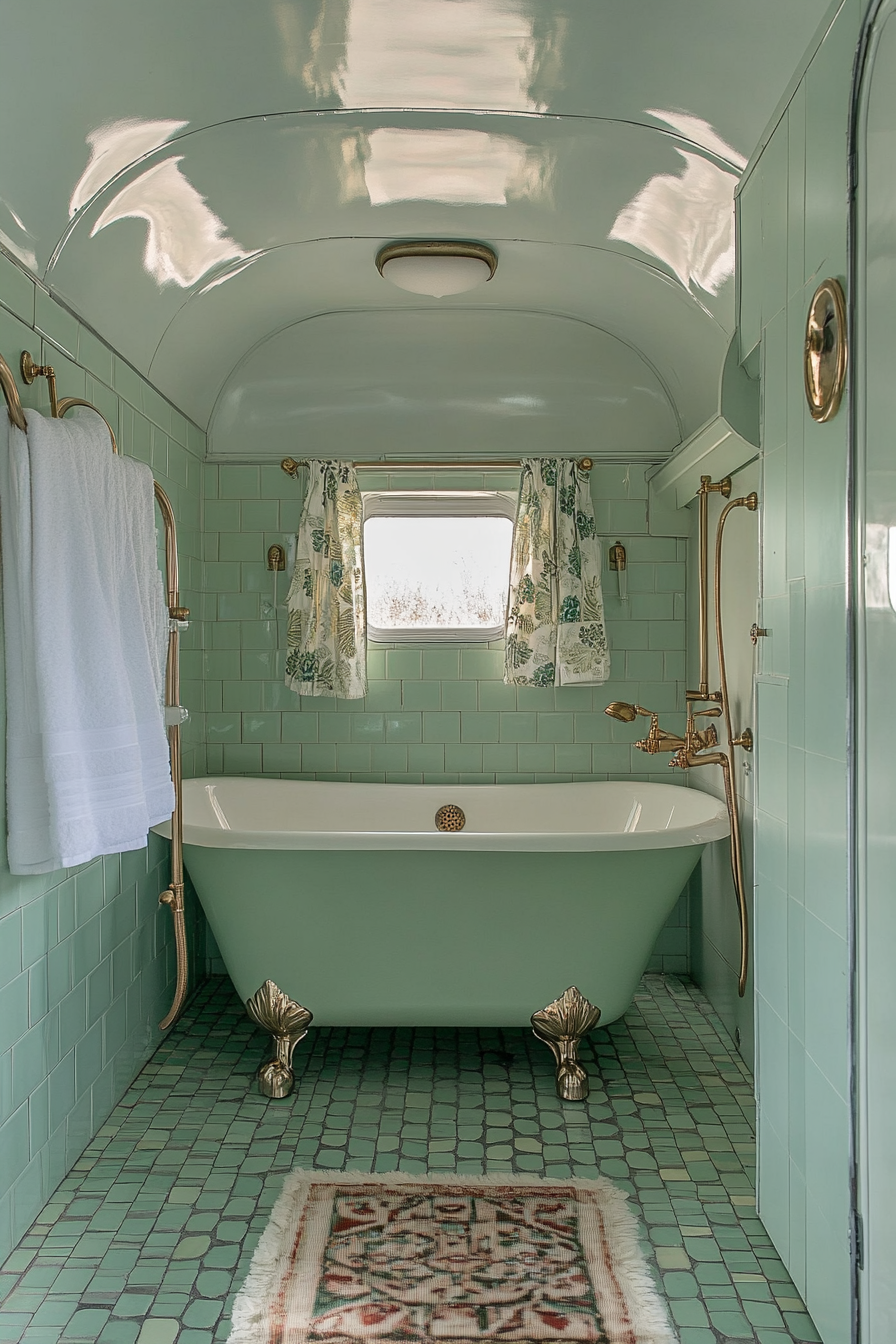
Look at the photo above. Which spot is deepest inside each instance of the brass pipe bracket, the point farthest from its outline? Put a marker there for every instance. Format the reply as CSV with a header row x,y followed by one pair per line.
x,y
561,1026
30,371
288,1023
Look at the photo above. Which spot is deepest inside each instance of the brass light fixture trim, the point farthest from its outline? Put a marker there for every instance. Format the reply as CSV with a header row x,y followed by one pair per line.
x,y
429,247
617,556
276,556
288,1023
561,1026
825,354
450,818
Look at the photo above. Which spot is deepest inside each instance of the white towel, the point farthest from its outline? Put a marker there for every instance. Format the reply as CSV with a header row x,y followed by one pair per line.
x,y
86,629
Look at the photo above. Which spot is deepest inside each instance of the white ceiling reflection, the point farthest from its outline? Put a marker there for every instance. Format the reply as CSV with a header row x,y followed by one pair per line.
x,y
445,53
185,238
114,148
452,166
700,133
17,243
687,221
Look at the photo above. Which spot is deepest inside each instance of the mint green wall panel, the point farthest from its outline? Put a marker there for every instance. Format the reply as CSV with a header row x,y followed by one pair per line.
x,y
795,199
86,955
876,504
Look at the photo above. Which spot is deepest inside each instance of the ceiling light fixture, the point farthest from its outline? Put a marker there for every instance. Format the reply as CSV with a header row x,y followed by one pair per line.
x,y
437,268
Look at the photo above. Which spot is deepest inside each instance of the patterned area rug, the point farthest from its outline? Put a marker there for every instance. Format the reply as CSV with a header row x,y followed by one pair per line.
x,y
419,1260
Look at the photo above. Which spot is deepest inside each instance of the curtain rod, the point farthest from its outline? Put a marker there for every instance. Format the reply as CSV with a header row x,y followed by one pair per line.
x,y
291,466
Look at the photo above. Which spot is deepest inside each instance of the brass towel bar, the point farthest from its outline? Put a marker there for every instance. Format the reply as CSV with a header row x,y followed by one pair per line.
x,y
173,895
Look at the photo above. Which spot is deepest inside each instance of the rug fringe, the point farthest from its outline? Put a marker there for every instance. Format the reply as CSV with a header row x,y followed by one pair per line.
x,y
250,1310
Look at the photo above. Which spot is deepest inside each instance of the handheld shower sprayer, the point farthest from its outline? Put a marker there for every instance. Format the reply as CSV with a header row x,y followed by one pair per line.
x,y
626,713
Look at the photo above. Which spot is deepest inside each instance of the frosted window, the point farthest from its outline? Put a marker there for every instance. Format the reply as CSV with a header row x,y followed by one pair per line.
x,y
437,575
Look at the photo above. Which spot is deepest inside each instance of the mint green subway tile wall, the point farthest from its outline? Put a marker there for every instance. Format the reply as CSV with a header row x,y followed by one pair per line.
x,y
86,955
435,714
793,234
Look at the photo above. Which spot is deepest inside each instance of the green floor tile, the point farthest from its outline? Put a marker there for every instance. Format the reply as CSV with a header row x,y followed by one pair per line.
x,y
152,1231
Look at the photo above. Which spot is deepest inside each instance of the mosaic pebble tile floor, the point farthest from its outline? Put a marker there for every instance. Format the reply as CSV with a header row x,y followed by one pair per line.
x,y
148,1238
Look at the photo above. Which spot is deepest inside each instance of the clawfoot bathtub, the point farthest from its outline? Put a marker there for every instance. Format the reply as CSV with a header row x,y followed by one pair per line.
x,y
349,898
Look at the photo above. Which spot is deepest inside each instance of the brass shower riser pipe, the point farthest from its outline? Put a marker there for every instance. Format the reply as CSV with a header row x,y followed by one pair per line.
x,y
750,502
707,487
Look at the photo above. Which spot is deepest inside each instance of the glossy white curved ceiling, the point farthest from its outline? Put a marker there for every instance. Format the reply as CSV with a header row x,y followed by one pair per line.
x,y
200,181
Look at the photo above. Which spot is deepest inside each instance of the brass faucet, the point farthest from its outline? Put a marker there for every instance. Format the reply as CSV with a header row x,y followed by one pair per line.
x,y
698,741
658,739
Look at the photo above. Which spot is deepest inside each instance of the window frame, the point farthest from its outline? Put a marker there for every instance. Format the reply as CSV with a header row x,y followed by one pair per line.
x,y
438,504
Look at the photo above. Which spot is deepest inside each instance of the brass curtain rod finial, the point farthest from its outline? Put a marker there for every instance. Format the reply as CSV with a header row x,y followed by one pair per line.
x,y
290,466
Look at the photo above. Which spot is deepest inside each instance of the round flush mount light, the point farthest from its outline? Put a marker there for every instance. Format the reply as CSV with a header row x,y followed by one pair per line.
x,y
437,268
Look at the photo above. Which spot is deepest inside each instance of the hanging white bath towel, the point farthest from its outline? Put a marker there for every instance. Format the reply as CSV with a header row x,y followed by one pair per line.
x,y
85,628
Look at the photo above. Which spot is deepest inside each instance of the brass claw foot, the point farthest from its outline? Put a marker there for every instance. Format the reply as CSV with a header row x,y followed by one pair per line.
x,y
561,1026
288,1023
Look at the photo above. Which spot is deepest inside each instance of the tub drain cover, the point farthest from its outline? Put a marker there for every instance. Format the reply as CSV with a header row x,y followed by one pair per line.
x,y
450,818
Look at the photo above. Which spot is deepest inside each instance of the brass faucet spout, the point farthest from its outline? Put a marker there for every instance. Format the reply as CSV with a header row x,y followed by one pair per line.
x,y
686,760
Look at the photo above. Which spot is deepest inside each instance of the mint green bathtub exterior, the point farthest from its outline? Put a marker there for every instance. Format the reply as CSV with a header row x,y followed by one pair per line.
x,y
439,936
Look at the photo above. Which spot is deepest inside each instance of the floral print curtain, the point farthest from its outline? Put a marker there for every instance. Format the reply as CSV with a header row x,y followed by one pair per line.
x,y
555,613
326,640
